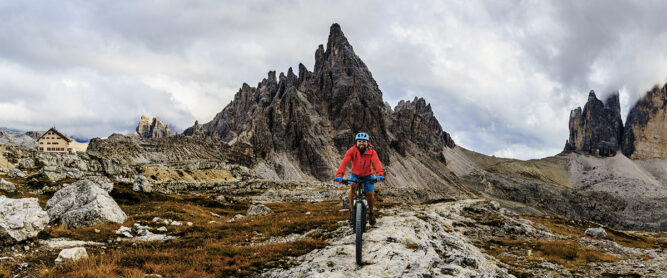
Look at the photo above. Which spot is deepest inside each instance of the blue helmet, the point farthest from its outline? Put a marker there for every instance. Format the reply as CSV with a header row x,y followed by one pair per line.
x,y
362,136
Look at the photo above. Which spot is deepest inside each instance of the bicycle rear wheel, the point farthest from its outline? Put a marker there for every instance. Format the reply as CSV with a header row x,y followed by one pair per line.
x,y
359,229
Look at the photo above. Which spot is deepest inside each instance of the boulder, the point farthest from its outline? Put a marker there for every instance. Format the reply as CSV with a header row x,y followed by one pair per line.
x,y
84,203
141,184
16,173
20,219
7,186
596,232
72,255
259,210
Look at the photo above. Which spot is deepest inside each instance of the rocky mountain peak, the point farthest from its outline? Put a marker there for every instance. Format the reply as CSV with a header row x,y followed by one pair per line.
x,y
645,134
154,128
598,128
312,118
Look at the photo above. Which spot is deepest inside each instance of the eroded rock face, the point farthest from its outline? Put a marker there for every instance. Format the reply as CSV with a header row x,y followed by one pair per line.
x,y
185,151
23,139
598,129
20,219
83,204
154,128
645,134
311,117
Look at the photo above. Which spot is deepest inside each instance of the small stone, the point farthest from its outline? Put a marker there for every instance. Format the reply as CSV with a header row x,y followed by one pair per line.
x,y
176,223
189,224
162,229
308,213
97,231
215,214
258,210
72,255
596,232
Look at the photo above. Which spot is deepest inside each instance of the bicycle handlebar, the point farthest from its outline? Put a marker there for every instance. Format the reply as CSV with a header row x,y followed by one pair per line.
x,y
346,182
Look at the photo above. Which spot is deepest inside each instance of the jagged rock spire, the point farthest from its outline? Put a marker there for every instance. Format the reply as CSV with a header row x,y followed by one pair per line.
x,y
597,129
315,115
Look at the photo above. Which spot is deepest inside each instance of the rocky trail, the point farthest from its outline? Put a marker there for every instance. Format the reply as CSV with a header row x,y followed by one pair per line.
x,y
472,238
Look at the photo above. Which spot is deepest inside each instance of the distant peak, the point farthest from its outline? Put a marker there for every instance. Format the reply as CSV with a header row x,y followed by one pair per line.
x,y
336,37
591,94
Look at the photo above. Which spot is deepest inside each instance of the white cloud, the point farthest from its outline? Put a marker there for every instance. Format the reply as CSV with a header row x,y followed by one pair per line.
x,y
501,76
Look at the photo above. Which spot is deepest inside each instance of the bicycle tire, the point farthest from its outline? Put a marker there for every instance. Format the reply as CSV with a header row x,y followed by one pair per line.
x,y
359,229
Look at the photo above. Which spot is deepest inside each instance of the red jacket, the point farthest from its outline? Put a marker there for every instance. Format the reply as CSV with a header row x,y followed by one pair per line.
x,y
361,164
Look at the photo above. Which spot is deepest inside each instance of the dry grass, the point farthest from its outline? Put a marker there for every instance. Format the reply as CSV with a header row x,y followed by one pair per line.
x,y
568,253
625,238
160,175
205,249
179,259
559,225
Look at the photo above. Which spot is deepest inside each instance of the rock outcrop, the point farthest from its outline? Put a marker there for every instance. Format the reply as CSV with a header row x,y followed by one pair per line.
x,y
645,135
154,128
300,124
20,219
83,204
188,151
598,129
7,186
22,139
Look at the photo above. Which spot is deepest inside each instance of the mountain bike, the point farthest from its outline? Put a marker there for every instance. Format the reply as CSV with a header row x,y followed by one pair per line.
x,y
359,214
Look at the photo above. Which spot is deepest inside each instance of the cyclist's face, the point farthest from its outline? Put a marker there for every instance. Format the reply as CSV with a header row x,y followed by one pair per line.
x,y
362,143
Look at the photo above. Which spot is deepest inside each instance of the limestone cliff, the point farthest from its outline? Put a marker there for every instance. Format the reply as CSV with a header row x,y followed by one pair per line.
x,y
645,134
597,129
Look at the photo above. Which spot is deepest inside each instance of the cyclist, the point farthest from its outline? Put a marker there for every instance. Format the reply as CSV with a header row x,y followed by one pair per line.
x,y
362,155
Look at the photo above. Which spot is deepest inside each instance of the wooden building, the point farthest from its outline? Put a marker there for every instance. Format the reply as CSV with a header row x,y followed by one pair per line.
x,y
53,141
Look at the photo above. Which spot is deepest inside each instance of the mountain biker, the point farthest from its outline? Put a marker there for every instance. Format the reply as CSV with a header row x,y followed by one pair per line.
x,y
362,155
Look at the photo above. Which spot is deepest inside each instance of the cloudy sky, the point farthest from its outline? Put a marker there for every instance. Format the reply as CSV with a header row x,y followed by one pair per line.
x,y
501,76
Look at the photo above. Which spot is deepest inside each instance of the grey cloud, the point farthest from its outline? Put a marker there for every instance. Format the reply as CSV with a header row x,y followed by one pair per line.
x,y
501,76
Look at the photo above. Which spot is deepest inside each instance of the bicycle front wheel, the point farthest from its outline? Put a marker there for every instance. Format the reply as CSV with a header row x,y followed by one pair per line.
x,y
359,229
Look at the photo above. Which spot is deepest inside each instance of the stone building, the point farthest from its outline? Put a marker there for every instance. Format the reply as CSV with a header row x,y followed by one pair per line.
x,y
53,141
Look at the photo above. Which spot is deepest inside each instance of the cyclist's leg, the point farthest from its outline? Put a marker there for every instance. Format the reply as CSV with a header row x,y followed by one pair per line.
x,y
351,195
369,188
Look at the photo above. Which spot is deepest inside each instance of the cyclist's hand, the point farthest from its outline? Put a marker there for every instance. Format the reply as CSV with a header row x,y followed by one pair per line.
x,y
380,178
338,179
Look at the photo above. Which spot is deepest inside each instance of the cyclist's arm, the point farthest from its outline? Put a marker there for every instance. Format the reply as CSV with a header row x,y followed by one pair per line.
x,y
343,165
376,164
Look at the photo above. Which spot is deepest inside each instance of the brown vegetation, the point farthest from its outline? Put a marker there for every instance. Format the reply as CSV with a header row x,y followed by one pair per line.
x,y
217,249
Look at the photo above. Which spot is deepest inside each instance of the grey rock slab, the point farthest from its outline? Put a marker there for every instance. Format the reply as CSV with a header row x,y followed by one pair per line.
x,y
83,204
20,219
